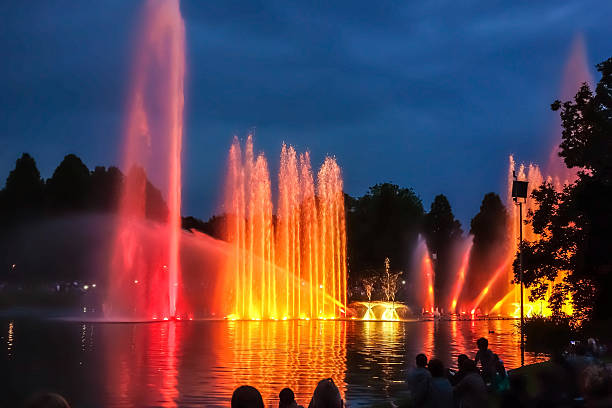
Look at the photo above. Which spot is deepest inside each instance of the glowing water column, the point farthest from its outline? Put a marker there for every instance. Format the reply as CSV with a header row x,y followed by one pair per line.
x,y
145,269
294,267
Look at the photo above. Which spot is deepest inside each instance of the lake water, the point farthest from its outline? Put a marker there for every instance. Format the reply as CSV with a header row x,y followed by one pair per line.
x,y
199,363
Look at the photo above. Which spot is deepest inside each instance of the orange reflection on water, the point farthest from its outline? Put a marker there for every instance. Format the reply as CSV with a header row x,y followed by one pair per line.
x,y
294,353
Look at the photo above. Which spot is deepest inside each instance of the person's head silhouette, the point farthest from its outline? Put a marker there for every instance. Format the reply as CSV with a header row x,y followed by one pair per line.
x,y
286,398
482,343
461,359
326,395
436,367
47,400
246,396
421,360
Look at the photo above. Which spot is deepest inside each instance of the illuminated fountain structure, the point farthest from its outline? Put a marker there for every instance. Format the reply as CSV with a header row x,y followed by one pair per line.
x,y
293,265
144,271
381,310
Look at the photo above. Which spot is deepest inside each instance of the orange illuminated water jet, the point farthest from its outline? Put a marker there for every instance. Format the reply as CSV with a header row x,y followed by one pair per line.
x,y
461,275
293,266
499,272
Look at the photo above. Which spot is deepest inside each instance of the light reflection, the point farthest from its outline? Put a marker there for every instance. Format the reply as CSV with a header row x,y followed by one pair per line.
x,y
9,340
200,363
294,353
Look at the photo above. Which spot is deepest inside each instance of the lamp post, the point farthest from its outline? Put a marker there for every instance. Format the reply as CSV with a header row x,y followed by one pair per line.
x,y
519,191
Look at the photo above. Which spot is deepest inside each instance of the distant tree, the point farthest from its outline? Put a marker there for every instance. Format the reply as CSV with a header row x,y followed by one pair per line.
x,y
384,222
575,224
489,228
22,195
213,227
68,189
442,232
156,208
105,189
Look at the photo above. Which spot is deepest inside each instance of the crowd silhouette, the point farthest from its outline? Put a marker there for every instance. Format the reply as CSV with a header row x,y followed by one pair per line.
x,y
575,378
578,377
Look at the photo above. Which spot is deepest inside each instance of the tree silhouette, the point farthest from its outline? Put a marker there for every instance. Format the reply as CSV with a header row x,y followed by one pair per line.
x,y
23,193
105,189
67,190
384,222
442,232
575,223
489,228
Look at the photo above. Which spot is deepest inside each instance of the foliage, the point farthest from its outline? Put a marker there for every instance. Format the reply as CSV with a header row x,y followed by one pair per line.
x,y
68,189
548,334
213,227
489,229
575,223
71,189
23,193
384,222
442,232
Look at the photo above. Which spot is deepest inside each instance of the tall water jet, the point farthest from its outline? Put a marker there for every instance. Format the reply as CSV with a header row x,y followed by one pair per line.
x,y
533,175
575,73
145,275
294,267
461,272
422,278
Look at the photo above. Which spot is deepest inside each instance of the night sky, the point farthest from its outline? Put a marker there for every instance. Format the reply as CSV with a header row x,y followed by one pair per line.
x,y
432,95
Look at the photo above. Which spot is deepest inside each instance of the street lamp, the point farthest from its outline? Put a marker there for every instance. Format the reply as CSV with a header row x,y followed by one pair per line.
x,y
519,191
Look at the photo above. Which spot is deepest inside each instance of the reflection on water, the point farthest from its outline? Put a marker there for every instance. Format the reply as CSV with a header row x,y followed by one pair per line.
x,y
173,364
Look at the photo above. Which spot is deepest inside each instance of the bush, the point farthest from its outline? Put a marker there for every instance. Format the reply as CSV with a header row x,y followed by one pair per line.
x,y
548,334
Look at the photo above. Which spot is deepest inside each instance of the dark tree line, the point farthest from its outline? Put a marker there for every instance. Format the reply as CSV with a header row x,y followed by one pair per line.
x,y
442,233
74,189
384,222
490,245
575,224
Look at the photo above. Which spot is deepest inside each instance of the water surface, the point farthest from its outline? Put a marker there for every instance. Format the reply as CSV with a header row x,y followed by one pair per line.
x,y
199,363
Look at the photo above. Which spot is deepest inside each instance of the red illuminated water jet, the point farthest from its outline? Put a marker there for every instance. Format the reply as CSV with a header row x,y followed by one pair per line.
x,y
423,278
145,273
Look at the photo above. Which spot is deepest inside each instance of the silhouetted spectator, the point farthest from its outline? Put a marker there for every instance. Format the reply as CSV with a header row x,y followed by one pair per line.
x,y
419,379
47,400
501,378
286,399
550,393
246,396
440,394
326,395
516,396
471,392
485,357
460,373
597,386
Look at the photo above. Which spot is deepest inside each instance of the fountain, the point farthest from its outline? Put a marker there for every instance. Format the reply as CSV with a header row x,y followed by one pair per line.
x,y
423,278
292,265
145,272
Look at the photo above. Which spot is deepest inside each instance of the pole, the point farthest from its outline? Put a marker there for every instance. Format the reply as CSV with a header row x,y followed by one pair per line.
x,y
521,282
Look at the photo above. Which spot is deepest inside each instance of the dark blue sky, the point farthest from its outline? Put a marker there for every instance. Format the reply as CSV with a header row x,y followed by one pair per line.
x,y
432,95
